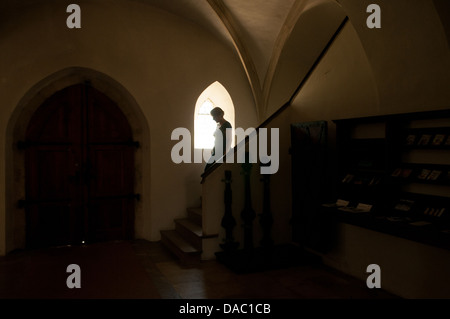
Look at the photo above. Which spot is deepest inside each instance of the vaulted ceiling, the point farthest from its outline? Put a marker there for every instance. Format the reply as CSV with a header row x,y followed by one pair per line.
x,y
251,27
277,41
256,30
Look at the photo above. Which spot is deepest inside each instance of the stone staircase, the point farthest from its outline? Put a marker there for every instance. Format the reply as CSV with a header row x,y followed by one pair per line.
x,y
185,241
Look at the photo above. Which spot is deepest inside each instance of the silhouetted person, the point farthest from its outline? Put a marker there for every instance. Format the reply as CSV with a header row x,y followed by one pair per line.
x,y
222,137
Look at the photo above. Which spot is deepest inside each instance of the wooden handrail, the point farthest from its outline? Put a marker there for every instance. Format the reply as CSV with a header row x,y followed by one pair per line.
x,y
288,103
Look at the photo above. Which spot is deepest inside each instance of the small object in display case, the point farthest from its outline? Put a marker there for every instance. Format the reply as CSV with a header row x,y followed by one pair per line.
x,y
434,175
348,178
396,172
438,139
359,181
402,172
437,212
375,181
406,172
404,205
360,208
338,203
410,140
424,173
424,140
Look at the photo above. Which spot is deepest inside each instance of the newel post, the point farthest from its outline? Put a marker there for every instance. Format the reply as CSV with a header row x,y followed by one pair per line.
x,y
266,218
228,221
248,214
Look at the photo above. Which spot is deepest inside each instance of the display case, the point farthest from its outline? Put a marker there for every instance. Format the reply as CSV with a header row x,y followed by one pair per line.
x,y
393,175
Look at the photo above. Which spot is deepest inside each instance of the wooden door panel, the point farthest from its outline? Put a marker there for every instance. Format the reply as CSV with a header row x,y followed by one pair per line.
x,y
54,216
50,224
110,218
58,119
106,122
111,185
51,173
79,170
111,171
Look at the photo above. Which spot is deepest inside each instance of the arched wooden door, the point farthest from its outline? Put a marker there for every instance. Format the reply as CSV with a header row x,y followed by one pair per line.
x,y
79,170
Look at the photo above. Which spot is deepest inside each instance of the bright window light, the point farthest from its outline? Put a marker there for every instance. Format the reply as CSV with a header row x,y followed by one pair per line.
x,y
204,125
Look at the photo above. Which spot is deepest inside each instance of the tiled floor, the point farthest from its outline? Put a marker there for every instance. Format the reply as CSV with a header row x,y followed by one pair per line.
x,y
146,270
212,280
106,271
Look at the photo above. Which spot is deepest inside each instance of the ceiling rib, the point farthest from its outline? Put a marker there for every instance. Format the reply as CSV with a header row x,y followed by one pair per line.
x,y
283,36
228,20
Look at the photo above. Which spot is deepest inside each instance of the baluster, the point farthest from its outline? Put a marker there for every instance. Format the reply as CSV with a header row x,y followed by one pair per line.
x,y
266,218
228,221
248,214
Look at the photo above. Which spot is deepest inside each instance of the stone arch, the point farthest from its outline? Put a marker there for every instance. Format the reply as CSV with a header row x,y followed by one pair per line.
x,y
15,132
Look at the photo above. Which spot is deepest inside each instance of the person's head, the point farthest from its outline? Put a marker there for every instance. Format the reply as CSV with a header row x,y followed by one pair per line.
x,y
217,114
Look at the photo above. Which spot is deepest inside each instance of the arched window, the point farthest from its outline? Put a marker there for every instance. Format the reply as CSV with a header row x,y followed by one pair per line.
x,y
204,126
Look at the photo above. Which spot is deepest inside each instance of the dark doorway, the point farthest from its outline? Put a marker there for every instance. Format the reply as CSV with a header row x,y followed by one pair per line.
x,y
309,187
79,170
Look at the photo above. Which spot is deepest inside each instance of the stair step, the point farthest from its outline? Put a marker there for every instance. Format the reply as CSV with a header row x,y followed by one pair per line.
x,y
190,231
183,245
187,253
191,226
195,214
